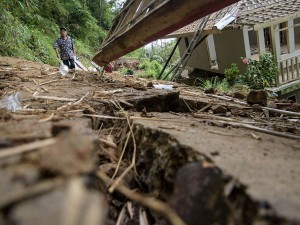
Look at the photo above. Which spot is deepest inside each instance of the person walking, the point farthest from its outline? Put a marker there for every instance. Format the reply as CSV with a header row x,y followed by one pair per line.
x,y
65,49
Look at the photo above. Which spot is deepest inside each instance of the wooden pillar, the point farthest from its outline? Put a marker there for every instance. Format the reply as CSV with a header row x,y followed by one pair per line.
x,y
261,41
247,42
291,36
211,48
275,39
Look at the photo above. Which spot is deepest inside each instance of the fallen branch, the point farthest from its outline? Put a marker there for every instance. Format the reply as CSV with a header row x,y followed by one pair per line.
x,y
151,203
7,152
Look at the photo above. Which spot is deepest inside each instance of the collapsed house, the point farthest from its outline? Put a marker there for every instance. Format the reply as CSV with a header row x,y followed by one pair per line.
x,y
248,29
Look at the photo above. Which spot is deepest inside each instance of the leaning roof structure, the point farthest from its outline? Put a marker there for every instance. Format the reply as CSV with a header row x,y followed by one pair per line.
x,y
253,13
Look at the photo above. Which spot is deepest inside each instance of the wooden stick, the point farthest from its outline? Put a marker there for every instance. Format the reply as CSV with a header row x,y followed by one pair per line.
x,y
55,98
75,103
284,112
276,133
48,82
187,105
151,203
109,144
205,108
7,152
226,98
105,117
34,81
126,103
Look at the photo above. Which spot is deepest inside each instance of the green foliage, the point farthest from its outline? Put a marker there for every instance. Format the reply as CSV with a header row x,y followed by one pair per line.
x,y
232,74
151,69
240,88
216,84
260,74
29,28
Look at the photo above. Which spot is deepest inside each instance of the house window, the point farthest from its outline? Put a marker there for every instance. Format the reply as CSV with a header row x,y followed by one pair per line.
x,y
283,33
254,47
211,48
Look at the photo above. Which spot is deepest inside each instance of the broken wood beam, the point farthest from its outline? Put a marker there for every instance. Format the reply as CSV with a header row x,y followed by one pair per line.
x,y
157,23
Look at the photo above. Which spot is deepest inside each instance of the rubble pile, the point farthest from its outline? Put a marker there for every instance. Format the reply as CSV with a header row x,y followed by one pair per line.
x,y
117,150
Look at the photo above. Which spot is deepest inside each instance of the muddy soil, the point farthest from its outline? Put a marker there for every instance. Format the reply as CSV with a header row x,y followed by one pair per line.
x,y
211,158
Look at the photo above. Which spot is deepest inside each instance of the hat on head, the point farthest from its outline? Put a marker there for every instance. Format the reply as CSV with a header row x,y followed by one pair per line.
x,y
63,28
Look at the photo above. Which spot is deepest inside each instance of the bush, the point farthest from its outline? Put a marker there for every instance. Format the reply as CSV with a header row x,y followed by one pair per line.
x,y
216,84
232,74
260,74
151,69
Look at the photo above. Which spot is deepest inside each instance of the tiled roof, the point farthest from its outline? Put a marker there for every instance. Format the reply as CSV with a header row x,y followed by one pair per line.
x,y
252,13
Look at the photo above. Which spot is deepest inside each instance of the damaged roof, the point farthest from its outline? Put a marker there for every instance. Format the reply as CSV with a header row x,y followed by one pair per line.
x,y
253,13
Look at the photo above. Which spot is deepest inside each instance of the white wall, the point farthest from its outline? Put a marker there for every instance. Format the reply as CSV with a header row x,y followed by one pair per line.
x,y
229,48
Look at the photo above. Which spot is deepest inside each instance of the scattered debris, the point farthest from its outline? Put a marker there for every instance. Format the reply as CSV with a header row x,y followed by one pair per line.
x,y
120,138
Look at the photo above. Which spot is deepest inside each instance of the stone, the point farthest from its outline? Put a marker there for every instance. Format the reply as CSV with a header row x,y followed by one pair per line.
x,y
218,109
210,91
150,84
74,153
259,97
238,95
198,195
72,203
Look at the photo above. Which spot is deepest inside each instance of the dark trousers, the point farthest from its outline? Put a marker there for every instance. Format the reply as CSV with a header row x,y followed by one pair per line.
x,y
69,63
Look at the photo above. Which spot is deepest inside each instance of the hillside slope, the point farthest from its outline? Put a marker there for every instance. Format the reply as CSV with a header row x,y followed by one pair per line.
x,y
29,28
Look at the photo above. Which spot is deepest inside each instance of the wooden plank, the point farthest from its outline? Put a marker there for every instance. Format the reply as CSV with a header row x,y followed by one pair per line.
x,y
289,56
291,36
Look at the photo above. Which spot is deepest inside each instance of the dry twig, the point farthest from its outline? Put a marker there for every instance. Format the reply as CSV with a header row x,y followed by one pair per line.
x,y
151,203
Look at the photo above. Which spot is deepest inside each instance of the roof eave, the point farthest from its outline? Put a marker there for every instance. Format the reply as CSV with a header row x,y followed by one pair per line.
x,y
275,22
